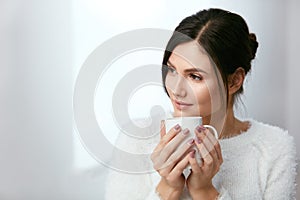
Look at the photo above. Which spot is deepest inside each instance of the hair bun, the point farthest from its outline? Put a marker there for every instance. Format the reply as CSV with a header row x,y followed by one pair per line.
x,y
253,44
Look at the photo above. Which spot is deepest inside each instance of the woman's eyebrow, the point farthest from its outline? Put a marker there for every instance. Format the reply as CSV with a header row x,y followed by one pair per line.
x,y
195,70
169,63
189,70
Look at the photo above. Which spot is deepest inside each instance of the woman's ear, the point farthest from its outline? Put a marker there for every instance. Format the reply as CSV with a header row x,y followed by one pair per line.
x,y
236,80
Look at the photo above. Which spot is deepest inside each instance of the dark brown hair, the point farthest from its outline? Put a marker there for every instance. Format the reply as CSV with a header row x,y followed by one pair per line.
x,y
223,35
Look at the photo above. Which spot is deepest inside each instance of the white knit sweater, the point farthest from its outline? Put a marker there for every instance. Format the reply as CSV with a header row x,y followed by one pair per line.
x,y
258,164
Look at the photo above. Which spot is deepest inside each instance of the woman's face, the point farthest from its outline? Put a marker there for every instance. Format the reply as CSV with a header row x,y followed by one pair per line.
x,y
192,82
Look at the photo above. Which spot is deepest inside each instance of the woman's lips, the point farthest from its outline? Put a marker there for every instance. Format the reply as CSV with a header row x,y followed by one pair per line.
x,y
180,105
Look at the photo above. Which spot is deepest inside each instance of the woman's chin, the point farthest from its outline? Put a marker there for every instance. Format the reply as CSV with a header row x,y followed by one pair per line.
x,y
180,113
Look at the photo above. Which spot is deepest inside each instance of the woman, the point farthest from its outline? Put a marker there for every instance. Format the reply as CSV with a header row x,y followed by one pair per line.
x,y
250,160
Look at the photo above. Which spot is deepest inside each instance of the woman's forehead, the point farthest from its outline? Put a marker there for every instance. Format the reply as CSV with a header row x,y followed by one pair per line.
x,y
189,55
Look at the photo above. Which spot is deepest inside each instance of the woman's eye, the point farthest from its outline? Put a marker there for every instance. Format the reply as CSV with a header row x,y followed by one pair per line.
x,y
196,77
172,70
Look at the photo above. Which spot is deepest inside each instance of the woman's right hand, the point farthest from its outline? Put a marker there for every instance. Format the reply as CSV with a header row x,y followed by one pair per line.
x,y
170,161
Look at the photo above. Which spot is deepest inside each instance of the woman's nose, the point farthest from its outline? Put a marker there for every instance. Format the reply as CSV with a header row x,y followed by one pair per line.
x,y
179,89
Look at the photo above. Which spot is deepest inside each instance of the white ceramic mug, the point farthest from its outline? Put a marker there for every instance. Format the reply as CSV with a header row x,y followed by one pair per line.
x,y
190,123
187,122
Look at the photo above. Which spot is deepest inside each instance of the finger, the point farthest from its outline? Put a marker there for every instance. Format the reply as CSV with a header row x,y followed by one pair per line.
x,y
176,141
211,136
215,162
179,168
216,144
204,134
194,163
209,144
207,158
171,133
199,130
167,137
178,154
219,152
160,154
162,129
208,139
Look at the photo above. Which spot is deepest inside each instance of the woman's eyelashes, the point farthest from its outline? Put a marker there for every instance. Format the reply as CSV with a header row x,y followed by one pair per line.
x,y
172,70
193,76
196,77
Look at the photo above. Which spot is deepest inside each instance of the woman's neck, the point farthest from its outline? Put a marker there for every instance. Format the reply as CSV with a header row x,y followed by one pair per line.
x,y
233,126
228,125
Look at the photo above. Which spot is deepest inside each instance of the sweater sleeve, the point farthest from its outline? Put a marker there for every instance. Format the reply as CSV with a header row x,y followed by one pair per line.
x,y
123,186
153,195
281,181
223,194
127,183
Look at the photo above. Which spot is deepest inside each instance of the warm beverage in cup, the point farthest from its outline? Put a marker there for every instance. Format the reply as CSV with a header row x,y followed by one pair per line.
x,y
190,123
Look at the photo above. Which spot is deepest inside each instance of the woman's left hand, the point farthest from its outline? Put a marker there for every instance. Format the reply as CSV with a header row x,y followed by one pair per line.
x,y
199,182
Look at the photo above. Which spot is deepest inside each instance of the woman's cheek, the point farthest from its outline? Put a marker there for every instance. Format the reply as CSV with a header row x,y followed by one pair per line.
x,y
215,96
168,84
208,97
203,99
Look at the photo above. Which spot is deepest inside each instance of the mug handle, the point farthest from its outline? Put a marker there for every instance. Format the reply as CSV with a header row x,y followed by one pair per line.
x,y
213,129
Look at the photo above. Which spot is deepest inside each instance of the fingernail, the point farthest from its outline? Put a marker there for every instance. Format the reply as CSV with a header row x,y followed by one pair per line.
x,y
191,141
185,131
200,128
177,127
192,154
198,140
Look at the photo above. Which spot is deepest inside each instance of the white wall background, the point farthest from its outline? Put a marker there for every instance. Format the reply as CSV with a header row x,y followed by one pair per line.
x,y
43,45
